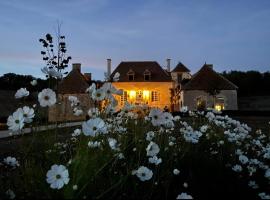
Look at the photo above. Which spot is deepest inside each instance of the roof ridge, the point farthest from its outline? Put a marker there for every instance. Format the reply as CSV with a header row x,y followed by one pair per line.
x,y
223,82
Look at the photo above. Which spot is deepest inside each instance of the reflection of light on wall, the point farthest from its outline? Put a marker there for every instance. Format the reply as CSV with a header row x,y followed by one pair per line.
x,y
132,94
146,95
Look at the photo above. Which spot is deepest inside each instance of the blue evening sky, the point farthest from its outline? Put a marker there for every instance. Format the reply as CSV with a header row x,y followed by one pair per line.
x,y
231,34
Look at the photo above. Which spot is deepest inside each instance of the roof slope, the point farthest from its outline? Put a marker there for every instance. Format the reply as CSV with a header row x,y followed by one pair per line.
x,y
73,83
139,67
206,78
180,67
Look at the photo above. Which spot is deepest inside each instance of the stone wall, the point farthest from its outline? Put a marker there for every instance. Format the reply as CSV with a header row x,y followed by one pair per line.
x,y
162,87
189,98
62,111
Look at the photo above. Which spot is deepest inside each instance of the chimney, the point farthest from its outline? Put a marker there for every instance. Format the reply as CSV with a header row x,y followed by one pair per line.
x,y
109,66
76,66
88,76
168,64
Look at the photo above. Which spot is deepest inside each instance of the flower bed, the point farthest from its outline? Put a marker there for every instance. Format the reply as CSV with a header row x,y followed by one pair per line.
x,y
137,153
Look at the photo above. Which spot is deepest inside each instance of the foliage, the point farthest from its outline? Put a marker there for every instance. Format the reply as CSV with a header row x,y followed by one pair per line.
x,y
250,83
11,81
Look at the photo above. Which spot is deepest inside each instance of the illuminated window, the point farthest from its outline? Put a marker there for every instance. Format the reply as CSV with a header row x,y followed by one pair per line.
x,y
147,75
219,104
201,103
154,96
132,95
123,97
131,75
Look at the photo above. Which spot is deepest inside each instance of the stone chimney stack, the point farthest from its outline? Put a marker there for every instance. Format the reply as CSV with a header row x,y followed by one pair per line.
x,y
109,66
76,66
168,64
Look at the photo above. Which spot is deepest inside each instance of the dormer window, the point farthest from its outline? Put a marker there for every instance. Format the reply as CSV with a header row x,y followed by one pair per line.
x,y
147,75
131,75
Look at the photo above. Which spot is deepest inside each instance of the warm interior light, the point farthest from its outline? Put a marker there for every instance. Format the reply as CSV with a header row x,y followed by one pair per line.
x,y
146,95
132,94
219,107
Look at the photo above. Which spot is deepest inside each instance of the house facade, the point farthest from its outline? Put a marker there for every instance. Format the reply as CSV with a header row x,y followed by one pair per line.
x,y
208,89
143,82
146,82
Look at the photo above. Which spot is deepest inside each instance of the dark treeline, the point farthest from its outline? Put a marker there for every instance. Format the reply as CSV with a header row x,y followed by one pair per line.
x,y
11,81
250,83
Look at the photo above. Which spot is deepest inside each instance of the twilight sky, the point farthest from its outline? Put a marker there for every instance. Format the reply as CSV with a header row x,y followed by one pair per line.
x,y
231,34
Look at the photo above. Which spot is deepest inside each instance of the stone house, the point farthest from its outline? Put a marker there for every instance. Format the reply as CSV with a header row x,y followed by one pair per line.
x,y
74,84
143,82
146,82
208,89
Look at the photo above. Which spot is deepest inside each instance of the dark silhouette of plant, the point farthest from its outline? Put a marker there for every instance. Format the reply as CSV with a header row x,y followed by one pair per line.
x,y
54,55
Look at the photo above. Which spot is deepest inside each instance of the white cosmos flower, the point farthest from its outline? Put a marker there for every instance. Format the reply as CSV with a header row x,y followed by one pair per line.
x,y
21,93
168,117
76,132
152,149
263,195
109,90
113,143
184,109
91,89
47,97
93,112
93,127
176,172
184,195
57,176
157,117
267,174
143,173
116,76
150,135
73,100
253,185
28,114
15,122
77,111
11,161
204,128
155,160
51,72
243,159
237,168
33,82
98,95
10,194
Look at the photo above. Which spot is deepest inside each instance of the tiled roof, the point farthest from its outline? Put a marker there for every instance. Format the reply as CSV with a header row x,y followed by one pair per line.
x,y
180,67
158,74
73,83
206,78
